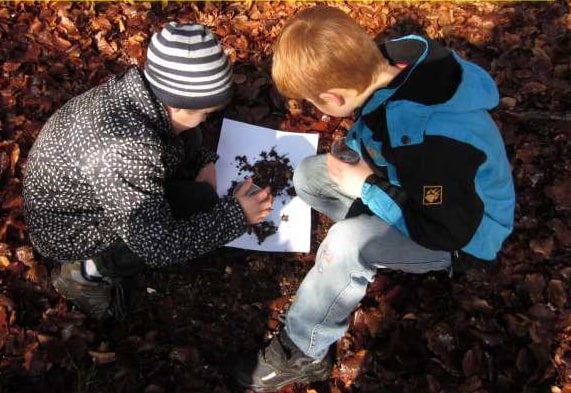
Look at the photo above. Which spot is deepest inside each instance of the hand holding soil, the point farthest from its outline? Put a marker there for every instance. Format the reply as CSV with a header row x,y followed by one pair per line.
x,y
272,171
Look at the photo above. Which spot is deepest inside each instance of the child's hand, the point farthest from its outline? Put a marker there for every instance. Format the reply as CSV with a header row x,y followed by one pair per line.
x,y
256,207
207,175
349,177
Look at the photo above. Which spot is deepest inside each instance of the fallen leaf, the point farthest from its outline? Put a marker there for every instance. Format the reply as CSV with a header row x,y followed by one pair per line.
x,y
102,357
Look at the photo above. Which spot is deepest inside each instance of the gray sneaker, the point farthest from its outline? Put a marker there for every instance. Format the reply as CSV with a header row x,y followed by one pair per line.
x,y
279,365
99,299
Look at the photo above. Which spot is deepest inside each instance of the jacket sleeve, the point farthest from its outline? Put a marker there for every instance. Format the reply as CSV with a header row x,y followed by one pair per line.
x,y
385,201
206,156
129,180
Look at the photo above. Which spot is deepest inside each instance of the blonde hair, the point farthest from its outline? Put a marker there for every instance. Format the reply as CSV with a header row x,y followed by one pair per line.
x,y
323,48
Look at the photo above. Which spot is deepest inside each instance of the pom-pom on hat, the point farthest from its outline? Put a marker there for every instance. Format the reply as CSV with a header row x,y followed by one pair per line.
x,y
187,68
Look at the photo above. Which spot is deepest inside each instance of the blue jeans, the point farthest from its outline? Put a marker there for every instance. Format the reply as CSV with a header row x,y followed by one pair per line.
x,y
346,262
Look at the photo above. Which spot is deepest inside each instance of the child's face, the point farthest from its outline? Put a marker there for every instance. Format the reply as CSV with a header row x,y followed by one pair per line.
x,y
183,119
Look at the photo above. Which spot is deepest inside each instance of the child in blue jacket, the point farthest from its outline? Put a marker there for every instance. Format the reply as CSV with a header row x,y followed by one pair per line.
x,y
433,182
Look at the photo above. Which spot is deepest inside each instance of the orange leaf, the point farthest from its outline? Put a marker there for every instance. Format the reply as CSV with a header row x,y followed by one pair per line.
x,y
6,302
106,49
68,25
14,157
11,66
4,262
134,48
102,357
15,202
61,43
101,23
25,254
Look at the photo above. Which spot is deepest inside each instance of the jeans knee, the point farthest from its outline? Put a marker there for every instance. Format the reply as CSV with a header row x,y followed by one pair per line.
x,y
342,243
300,175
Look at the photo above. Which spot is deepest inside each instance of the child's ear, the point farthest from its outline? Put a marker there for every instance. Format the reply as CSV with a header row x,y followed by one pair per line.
x,y
332,97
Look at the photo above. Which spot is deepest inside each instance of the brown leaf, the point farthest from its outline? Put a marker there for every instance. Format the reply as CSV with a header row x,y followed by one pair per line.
x,y
518,324
34,360
61,43
441,339
350,368
67,25
107,50
37,274
542,247
472,362
542,312
533,88
102,357
508,102
489,339
524,361
25,254
11,66
185,355
4,262
557,293
134,48
240,78
471,302
101,23
560,193
13,202
153,388
562,232
535,284
360,329
279,303
14,157
6,302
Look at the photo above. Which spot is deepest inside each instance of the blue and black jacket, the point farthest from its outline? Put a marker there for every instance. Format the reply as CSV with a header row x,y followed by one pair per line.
x,y
442,174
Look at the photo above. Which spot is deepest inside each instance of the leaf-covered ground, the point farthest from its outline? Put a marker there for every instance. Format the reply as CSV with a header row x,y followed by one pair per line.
x,y
503,330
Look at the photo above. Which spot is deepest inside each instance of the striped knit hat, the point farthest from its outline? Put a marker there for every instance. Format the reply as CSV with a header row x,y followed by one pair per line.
x,y
187,68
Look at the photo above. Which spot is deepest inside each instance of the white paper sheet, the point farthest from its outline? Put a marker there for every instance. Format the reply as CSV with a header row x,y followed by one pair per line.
x,y
239,139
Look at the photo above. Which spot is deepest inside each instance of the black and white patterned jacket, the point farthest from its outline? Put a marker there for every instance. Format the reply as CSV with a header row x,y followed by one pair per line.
x,y
96,174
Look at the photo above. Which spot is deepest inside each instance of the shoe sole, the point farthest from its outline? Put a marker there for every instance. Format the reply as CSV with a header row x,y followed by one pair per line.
x,y
305,380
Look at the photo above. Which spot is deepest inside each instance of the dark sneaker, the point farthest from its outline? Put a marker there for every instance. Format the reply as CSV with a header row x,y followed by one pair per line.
x,y
98,299
279,365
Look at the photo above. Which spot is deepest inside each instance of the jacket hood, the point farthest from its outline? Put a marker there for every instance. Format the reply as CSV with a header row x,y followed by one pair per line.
x,y
476,90
436,76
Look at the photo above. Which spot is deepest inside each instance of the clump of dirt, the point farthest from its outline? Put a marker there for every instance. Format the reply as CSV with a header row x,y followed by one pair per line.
x,y
263,230
273,170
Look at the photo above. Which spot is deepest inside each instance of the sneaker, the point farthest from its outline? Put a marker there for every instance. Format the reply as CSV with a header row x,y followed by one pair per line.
x,y
279,365
99,299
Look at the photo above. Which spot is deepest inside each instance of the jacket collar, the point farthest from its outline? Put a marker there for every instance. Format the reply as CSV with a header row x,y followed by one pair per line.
x,y
431,74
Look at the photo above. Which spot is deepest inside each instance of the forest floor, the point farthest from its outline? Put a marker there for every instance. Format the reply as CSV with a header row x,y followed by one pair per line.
x,y
506,329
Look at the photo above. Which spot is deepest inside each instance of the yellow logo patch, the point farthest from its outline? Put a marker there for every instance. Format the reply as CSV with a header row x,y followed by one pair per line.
x,y
432,195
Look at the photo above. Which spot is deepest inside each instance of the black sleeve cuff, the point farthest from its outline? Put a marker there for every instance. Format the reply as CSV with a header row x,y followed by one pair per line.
x,y
396,193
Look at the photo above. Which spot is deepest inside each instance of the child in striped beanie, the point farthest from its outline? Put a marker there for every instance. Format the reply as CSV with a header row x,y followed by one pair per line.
x,y
118,181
